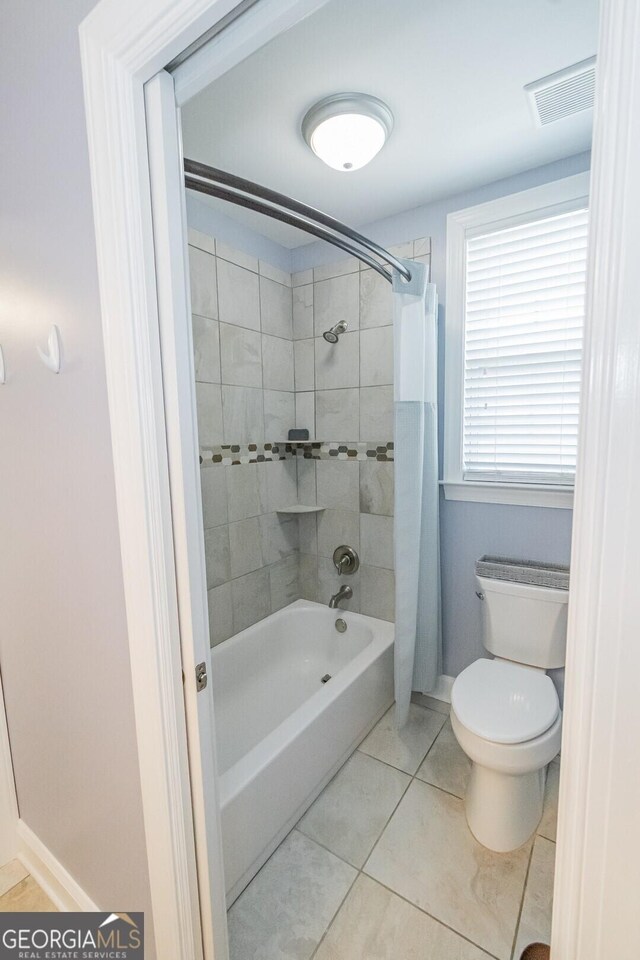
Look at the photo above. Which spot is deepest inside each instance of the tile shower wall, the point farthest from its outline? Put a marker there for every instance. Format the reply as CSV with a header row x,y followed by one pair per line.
x,y
344,396
261,367
243,356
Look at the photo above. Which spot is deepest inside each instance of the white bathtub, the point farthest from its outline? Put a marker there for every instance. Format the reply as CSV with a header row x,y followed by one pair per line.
x,y
281,733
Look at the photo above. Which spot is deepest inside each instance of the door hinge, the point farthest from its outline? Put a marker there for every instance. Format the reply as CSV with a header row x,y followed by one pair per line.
x,y
201,676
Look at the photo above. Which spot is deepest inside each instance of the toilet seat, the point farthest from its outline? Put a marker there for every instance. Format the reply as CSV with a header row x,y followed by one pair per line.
x,y
504,702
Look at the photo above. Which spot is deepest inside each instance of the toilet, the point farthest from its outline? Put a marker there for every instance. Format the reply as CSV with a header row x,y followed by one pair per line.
x,y
505,712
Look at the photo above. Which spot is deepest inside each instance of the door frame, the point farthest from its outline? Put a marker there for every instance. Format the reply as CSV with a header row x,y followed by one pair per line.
x,y
124,46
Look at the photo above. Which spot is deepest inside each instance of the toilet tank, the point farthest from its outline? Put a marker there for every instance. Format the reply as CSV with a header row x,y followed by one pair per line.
x,y
524,623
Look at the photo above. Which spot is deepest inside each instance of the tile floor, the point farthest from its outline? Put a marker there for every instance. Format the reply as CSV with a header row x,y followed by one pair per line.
x,y
383,866
20,893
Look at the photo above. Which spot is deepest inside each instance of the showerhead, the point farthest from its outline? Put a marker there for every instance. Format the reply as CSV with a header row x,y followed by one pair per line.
x,y
331,336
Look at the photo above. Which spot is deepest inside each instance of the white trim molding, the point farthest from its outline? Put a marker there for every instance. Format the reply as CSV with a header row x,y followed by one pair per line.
x,y
549,198
516,494
48,872
596,914
123,46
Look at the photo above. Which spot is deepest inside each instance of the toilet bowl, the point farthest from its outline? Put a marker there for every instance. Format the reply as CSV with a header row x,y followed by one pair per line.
x,y
505,712
507,719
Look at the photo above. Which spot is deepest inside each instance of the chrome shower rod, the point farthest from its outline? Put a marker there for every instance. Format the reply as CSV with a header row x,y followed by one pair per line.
x,y
245,193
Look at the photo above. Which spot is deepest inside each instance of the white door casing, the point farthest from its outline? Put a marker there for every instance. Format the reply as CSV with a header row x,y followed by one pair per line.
x,y
123,46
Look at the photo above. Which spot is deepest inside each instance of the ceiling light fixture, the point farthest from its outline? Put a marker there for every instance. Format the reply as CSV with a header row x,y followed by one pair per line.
x,y
347,130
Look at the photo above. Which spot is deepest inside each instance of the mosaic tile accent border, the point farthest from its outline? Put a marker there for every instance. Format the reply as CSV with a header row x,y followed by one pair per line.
x,y
233,454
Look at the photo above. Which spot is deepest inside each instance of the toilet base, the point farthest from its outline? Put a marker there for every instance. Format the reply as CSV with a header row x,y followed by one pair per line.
x,y
503,810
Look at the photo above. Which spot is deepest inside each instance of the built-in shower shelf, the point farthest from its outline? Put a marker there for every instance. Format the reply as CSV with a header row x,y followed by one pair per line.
x,y
300,508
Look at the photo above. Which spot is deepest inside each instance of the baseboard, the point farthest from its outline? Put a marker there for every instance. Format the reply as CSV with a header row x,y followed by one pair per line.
x,y
48,872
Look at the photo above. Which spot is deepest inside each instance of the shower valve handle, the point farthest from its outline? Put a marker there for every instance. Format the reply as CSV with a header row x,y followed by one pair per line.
x,y
345,559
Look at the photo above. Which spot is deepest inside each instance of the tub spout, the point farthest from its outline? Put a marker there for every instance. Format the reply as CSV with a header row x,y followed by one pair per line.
x,y
344,593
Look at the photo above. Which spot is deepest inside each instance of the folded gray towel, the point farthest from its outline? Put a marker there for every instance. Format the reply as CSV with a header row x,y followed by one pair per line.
x,y
524,571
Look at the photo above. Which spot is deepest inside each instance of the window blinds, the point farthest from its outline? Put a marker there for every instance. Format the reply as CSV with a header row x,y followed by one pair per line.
x,y
524,316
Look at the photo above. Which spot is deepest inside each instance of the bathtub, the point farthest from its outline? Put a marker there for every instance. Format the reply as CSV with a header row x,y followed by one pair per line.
x,y
281,732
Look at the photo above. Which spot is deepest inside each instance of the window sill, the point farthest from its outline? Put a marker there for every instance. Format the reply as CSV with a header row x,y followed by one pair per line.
x,y
522,495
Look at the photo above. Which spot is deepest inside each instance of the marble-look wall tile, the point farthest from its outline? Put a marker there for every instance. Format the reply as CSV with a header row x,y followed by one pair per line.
x,y
276,309
303,312
338,414
214,496
377,592
220,614
201,240
239,257
335,300
279,414
308,533
246,490
306,412
376,412
306,470
206,349
245,546
338,484
303,355
376,539
275,273
251,599
302,278
217,555
278,536
376,356
238,296
336,269
338,364
209,414
282,480
241,356
284,583
376,303
243,414
336,527
277,363
376,487
202,272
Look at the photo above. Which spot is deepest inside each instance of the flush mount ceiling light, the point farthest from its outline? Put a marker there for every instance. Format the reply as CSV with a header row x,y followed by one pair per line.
x,y
347,130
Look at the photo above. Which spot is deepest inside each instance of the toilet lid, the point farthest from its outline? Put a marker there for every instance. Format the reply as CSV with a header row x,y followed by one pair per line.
x,y
504,702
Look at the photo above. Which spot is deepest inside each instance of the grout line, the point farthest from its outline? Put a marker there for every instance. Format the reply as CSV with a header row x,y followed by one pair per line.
x,y
524,891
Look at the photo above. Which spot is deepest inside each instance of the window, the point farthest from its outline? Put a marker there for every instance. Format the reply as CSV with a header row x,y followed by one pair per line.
x,y
516,277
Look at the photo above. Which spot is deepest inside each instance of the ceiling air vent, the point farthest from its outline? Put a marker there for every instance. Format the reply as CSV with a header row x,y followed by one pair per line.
x,y
563,93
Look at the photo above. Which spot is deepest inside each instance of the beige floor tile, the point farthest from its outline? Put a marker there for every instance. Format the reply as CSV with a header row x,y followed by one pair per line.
x,y
351,813
375,924
405,748
535,922
433,703
428,855
446,765
287,907
549,823
26,896
12,873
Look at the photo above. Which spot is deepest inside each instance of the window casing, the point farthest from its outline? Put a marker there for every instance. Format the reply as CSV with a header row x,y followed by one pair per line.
x,y
516,278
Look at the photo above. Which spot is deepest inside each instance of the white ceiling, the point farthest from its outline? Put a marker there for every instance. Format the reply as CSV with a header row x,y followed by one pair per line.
x,y
452,72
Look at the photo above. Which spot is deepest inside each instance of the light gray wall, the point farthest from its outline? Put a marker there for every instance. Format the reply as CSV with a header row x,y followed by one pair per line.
x,y
63,644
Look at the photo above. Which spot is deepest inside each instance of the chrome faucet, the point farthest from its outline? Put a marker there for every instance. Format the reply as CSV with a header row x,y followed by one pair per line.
x,y
344,593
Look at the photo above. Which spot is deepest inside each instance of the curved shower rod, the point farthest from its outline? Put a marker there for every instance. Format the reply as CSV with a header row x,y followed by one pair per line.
x,y
253,196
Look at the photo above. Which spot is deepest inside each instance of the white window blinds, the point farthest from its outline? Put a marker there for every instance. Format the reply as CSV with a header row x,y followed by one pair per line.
x,y
524,316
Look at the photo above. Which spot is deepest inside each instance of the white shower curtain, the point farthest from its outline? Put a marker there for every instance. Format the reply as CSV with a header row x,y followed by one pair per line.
x,y
418,642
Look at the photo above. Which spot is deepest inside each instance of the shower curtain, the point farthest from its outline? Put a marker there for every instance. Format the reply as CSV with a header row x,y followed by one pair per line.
x,y
418,641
